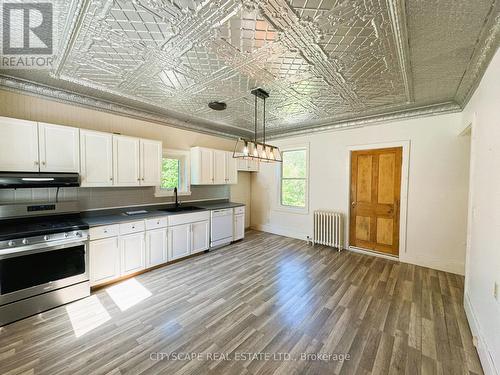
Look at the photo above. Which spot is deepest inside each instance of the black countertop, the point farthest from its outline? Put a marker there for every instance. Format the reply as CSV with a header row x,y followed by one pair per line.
x,y
117,216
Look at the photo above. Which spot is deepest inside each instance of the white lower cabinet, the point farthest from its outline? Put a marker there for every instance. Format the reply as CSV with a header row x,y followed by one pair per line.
x,y
104,260
179,241
123,249
132,253
239,227
156,247
200,236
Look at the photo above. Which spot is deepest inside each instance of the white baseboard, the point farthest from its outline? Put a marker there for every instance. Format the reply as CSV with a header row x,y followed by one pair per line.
x,y
482,348
355,249
280,231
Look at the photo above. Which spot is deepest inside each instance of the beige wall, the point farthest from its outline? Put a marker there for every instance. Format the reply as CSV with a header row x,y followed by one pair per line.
x,y
437,186
241,193
38,109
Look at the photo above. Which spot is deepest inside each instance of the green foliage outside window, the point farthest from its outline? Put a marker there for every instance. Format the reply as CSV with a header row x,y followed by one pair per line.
x,y
294,178
170,169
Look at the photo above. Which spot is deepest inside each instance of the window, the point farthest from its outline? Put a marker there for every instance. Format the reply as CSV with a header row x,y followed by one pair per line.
x,y
174,173
294,179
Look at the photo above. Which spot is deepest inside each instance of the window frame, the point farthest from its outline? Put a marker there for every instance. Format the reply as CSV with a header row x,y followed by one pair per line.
x,y
294,209
184,173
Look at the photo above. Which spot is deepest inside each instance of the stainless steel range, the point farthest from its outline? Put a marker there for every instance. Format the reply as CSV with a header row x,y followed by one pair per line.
x,y
43,258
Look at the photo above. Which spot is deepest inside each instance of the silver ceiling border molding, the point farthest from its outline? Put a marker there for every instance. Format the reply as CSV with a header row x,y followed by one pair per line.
x,y
397,12
425,111
66,97
489,42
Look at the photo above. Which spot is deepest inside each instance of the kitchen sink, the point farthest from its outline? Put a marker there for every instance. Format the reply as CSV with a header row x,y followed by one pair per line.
x,y
182,209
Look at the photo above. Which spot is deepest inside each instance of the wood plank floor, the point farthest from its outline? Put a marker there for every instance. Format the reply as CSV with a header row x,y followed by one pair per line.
x,y
264,296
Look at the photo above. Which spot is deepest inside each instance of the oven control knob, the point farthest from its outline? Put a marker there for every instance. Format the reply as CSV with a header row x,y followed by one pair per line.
x,y
24,241
66,235
78,234
46,238
11,243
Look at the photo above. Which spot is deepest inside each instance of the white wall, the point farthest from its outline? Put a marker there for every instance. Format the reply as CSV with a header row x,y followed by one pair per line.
x,y
483,253
437,193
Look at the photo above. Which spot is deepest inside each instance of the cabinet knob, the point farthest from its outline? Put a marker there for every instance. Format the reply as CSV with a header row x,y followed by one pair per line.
x,y
43,163
111,179
138,179
36,163
143,179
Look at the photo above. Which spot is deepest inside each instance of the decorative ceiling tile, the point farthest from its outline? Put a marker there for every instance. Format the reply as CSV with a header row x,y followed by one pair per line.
x,y
322,61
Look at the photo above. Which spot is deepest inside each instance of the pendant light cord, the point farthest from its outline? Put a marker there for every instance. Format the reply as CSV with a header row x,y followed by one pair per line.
x,y
264,123
255,120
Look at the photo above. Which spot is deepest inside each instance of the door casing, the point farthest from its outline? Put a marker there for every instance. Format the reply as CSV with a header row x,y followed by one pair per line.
x,y
403,208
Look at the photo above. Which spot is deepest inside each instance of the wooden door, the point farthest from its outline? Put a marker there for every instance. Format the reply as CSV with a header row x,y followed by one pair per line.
x,y
375,195
59,148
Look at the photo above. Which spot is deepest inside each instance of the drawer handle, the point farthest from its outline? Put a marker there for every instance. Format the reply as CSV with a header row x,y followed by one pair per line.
x,y
105,231
133,227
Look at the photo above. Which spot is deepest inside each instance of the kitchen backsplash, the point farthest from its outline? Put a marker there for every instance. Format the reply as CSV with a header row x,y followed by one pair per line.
x,y
95,198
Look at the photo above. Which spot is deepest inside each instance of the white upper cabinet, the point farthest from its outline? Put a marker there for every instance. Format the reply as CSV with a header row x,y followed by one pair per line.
x,y
212,167
151,154
126,161
96,158
248,165
18,145
231,169
59,148
220,175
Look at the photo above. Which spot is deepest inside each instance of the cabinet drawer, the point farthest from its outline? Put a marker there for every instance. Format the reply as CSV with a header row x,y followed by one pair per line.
x,y
239,210
159,222
188,218
104,231
132,227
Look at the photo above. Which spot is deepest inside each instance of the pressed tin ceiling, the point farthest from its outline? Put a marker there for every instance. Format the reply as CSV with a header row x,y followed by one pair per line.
x,y
325,63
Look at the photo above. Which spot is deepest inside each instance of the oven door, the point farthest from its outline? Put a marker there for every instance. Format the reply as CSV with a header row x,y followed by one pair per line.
x,y
35,269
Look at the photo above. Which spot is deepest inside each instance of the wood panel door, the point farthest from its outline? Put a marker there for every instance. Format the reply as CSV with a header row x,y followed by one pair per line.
x,y
375,199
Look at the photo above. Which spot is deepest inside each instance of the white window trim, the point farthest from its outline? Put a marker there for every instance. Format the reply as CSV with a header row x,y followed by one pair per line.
x,y
290,209
185,173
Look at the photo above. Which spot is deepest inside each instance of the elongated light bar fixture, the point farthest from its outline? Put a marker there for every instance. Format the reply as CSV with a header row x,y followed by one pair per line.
x,y
252,149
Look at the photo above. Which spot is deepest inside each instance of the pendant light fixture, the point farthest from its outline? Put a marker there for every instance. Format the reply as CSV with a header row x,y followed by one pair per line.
x,y
247,149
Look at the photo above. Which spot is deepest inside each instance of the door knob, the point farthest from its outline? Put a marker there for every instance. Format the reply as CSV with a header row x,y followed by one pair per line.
x,y
353,204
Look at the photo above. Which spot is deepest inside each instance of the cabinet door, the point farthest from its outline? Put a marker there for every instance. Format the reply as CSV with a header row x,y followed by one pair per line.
x,y
132,253
179,241
126,171
59,148
18,145
220,167
253,165
151,154
239,227
104,258
242,164
206,166
96,157
156,247
199,236
231,169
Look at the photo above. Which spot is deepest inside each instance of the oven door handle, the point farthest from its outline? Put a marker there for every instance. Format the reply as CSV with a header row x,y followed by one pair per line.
x,y
40,248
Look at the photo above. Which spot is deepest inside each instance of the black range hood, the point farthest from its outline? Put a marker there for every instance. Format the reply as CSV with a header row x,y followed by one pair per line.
x,y
14,180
